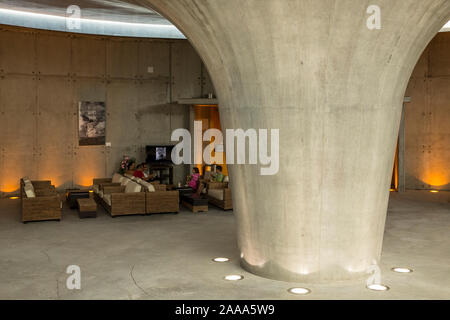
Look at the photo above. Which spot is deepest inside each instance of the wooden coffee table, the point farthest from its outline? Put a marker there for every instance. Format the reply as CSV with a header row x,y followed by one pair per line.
x,y
87,208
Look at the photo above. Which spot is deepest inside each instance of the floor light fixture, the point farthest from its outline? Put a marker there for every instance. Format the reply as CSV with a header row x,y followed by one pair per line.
x,y
402,270
378,287
299,291
234,277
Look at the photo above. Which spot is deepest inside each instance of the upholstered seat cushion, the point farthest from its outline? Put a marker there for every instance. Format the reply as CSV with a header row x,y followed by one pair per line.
x,y
216,193
116,178
107,198
124,182
133,187
148,186
96,187
100,193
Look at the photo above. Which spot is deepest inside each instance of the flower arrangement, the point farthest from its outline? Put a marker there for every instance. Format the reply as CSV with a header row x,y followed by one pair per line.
x,y
125,164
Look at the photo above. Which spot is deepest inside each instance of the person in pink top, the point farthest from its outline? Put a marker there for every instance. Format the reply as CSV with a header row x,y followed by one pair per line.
x,y
193,179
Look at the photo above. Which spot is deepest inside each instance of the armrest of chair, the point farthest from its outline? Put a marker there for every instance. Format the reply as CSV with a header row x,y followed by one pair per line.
x,y
113,189
111,184
160,187
217,185
38,184
99,181
46,192
226,193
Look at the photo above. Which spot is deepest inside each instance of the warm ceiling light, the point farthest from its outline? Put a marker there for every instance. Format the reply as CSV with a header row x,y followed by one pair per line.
x,y
434,191
221,259
402,270
234,277
378,287
299,291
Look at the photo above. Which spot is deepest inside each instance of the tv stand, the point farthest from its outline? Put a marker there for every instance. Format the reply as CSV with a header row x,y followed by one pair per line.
x,y
164,171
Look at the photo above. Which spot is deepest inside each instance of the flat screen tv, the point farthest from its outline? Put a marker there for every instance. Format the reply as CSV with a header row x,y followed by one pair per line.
x,y
159,154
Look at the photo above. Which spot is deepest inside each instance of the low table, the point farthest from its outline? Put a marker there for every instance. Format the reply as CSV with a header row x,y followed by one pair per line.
x,y
87,208
72,195
195,203
183,191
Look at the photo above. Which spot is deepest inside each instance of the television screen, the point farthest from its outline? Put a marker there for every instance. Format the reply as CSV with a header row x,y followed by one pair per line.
x,y
159,153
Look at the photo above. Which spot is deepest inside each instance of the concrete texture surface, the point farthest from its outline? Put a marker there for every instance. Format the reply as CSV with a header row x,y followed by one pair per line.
x,y
169,257
335,89
44,75
427,119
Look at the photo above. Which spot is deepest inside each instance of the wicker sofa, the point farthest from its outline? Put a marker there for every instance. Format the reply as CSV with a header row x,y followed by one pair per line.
x,y
39,201
127,195
219,194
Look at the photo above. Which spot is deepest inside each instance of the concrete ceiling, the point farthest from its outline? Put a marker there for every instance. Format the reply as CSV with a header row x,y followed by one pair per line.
x,y
126,11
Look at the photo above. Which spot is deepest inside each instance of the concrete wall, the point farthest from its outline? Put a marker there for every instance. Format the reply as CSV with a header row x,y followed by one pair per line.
x,y
43,76
427,119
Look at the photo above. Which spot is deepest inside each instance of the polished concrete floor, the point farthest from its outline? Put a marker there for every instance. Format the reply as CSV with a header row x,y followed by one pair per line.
x,y
169,256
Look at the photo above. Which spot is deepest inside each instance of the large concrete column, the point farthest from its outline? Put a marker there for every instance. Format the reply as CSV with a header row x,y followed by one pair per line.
x,y
335,89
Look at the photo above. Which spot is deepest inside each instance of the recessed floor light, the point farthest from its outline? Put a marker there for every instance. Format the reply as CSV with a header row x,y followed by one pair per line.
x,y
234,277
221,259
378,287
434,191
402,270
299,291
14,198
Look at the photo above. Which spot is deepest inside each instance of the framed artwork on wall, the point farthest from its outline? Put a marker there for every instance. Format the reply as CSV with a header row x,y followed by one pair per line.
x,y
91,123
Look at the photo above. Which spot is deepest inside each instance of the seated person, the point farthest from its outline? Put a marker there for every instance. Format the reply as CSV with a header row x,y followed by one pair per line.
x,y
193,179
218,176
141,173
131,168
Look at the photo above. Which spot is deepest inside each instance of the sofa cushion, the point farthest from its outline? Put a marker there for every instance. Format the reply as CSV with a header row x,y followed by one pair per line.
x,y
95,187
148,186
29,191
216,194
107,198
100,193
125,181
226,179
26,180
133,187
116,178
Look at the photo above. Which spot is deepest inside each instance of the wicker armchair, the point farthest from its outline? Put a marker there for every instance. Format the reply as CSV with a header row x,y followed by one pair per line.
x,y
44,205
219,194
